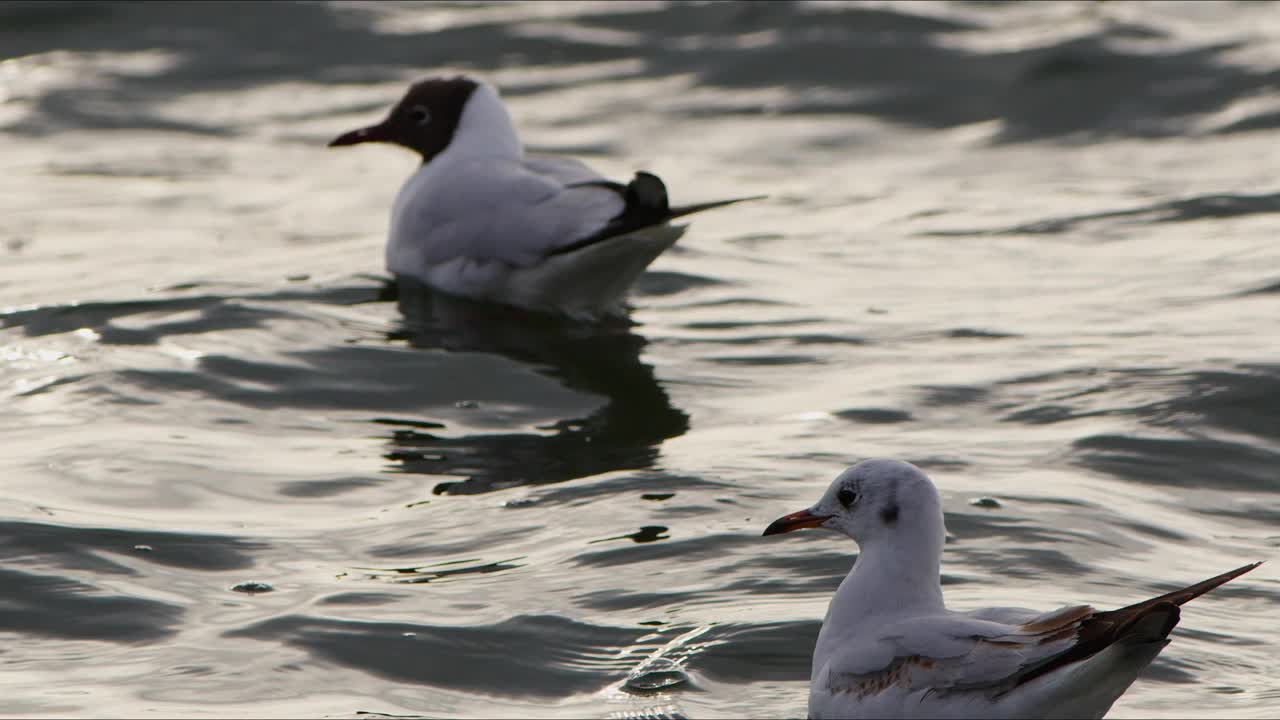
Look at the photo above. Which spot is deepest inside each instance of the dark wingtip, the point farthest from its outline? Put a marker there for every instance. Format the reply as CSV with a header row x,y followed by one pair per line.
x,y
647,191
1191,592
1148,621
1165,611
645,199
1205,586
691,209
1152,624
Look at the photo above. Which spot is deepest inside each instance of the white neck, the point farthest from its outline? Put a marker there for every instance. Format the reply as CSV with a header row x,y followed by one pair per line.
x,y
885,580
895,574
485,128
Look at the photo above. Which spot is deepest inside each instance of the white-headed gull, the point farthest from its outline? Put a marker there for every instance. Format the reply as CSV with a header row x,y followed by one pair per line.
x,y
889,647
483,220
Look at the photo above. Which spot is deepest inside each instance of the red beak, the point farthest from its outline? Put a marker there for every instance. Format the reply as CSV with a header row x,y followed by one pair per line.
x,y
373,133
795,521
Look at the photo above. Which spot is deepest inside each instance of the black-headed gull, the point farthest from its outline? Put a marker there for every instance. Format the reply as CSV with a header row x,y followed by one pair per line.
x,y
483,220
889,647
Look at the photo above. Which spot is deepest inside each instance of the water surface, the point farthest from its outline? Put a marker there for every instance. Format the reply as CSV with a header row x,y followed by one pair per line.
x,y
1028,247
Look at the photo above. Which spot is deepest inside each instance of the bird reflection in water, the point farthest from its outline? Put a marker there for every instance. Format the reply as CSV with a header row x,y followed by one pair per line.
x,y
601,359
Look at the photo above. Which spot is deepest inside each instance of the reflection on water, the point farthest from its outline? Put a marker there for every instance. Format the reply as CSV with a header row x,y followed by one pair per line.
x,y
1028,246
624,434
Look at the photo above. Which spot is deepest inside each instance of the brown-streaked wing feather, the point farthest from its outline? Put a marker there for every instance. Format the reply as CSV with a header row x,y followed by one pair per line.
x,y
1058,620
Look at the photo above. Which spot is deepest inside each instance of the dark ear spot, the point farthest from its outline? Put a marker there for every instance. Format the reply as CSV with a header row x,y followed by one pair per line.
x,y
890,514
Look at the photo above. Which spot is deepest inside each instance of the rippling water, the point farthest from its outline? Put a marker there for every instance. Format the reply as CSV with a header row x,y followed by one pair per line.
x,y
1028,247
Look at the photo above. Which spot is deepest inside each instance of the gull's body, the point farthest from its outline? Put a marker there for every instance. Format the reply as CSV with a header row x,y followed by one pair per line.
x,y
481,219
890,648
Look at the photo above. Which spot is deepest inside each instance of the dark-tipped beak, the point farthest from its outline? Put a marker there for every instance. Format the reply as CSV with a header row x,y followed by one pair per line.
x,y
373,133
795,521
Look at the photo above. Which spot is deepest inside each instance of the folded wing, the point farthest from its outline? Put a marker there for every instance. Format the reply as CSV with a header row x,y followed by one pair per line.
x,y
995,651
520,213
507,213
955,652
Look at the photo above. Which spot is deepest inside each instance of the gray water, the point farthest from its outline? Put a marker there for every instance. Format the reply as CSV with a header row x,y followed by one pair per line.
x,y
1029,247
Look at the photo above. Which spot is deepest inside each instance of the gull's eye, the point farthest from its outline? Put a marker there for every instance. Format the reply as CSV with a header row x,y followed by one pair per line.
x,y
846,497
419,115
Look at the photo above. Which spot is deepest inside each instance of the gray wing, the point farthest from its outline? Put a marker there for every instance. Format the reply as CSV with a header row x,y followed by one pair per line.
x,y
566,170
514,213
1006,615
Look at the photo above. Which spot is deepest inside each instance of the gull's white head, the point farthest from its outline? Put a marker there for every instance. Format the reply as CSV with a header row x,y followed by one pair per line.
x,y
873,499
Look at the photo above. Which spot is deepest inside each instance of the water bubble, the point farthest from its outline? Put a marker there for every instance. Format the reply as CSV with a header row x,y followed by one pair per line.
x,y
655,676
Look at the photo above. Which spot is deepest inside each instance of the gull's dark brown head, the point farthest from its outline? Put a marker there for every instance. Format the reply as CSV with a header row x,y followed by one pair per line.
x,y
424,120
